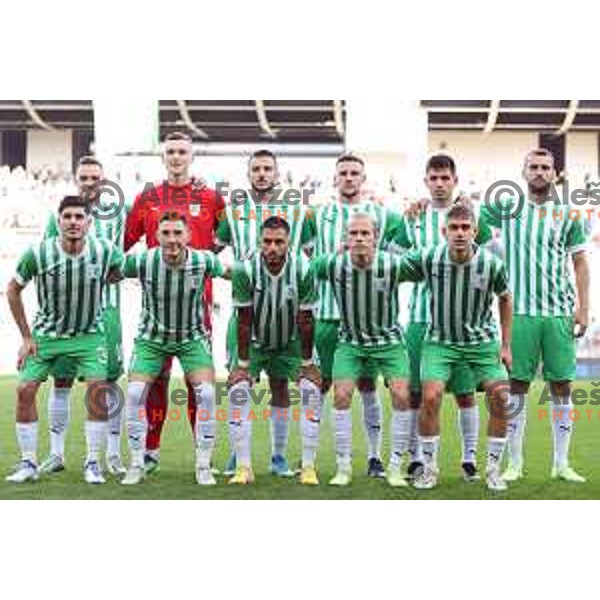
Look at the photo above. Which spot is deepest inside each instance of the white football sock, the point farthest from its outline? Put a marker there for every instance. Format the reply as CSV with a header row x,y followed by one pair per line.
x,y
58,418
206,424
114,422
414,448
468,425
400,435
516,429
95,437
343,439
495,451
27,435
311,421
240,426
372,415
137,422
562,428
279,430
429,448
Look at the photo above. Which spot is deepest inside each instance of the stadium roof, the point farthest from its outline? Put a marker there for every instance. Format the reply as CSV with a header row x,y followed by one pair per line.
x,y
307,121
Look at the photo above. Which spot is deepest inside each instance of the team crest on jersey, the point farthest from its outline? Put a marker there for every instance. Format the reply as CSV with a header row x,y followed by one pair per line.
x,y
94,271
195,282
289,293
380,284
479,281
195,209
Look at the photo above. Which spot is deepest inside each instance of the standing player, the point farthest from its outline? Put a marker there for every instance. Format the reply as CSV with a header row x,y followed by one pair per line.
x,y
172,325
331,225
71,272
274,295
462,280
422,231
241,229
201,206
365,286
549,314
108,223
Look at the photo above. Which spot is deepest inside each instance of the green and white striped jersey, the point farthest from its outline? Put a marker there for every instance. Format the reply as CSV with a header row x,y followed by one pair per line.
x,y
241,227
462,294
275,299
367,298
112,229
172,309
422,232
69,288
331,223
538,248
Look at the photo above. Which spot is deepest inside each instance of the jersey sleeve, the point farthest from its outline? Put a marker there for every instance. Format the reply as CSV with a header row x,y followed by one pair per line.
x,y
411,266
241,286
307,291
576,238
26,268
484,231
224,230
320,267
134,224
214,267
52,230
500,283
309,227
131,268
396,230
117,258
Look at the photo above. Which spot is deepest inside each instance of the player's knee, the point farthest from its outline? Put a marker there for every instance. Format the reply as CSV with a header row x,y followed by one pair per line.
x,y
431,397
519,387
560,388
343,396
366,385
26,392
400,394
465,401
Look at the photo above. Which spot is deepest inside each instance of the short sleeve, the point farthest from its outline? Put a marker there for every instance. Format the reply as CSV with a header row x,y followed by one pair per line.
x,y
131,268
117,258
500,283
411,266
52,230
26,268
214,267
306,287
241,286
224,230
576,237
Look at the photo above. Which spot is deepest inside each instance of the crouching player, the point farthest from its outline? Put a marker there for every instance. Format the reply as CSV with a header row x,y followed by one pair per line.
x,y
274,295
463,280
172,324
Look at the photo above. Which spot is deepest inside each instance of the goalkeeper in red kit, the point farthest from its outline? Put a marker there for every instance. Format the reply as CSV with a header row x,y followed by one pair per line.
x,y
180,193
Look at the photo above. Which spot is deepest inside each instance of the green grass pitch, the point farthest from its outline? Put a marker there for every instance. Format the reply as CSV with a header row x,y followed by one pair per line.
x,y
176,479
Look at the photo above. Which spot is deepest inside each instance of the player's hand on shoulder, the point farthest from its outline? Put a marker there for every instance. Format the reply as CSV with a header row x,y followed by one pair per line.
x,y
416,207
114,276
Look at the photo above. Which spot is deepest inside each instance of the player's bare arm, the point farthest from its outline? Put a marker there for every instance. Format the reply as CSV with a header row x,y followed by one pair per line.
x,y
306,328
241,373
505,305
582,281
15,301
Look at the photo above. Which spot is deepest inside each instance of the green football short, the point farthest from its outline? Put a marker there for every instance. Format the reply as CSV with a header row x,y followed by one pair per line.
x,y
439,361
351,361
550,340
148,357
461,382
279,364
110,329
326,341
85,352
